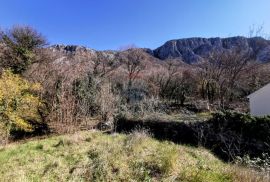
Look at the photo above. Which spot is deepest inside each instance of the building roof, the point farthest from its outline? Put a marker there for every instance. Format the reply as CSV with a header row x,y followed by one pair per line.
x,y
259,91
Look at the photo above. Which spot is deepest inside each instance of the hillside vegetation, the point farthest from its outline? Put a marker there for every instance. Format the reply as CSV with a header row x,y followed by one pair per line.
x,y
60,90
93,156
80,87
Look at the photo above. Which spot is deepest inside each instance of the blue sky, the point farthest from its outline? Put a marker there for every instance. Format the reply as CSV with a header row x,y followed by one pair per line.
x,y
110,24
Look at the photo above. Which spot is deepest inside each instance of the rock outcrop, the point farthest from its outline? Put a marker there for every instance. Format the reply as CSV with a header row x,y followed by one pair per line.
x,y
193,50
189,51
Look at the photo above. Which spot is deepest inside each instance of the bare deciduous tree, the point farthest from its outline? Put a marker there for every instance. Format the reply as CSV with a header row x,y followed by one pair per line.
x,y
133,60
221,73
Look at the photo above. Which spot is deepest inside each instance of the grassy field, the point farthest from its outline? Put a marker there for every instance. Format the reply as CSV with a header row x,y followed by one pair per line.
x,y
93,156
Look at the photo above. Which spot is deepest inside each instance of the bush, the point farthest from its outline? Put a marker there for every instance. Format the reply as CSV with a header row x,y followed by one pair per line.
x,y
228,135
85,91
251,127
237,134
260,163
19,106
21,46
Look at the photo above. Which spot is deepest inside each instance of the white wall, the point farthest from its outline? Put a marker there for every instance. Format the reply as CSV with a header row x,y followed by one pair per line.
x,y
260,103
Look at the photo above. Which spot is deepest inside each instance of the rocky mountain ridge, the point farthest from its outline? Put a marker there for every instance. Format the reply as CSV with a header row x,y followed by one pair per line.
x,y
192,50
189,50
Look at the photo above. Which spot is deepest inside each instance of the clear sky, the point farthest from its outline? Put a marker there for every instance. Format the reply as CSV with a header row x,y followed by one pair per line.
x,y
110,24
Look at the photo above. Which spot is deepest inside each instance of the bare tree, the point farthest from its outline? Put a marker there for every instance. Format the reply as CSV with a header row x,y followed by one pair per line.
x,y
166,79
103,65
256,31
133,61
127,47
221,73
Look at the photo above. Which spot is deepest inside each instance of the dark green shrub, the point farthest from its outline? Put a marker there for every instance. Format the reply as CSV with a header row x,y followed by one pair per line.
x,y
22,45
238,134
86,91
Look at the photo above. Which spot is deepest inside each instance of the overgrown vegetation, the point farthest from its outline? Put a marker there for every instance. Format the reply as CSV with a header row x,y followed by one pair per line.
x,y
21,109
239,134
20,106
229,135
93,156
61,91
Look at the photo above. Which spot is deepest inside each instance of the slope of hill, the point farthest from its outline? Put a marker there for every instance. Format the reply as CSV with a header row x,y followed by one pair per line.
x,y
93,156
189,50
192,50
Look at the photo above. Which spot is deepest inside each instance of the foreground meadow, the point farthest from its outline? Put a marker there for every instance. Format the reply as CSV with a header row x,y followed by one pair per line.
x,y
94,156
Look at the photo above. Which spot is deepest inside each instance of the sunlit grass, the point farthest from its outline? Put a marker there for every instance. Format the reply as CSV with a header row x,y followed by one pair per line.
x,y
93,156
175,117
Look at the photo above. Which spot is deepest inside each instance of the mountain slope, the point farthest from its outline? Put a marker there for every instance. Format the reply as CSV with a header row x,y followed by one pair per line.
x,y
192,50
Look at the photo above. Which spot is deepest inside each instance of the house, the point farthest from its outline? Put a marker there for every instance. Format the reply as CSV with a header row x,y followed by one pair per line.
x,y
260,101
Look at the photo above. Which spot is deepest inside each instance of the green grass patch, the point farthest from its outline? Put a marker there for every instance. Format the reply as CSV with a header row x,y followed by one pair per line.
x,y
93,156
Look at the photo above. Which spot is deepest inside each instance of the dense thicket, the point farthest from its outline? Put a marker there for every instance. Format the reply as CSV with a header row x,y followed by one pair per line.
x,y
81,89
20,107
229,135
22,111
63,90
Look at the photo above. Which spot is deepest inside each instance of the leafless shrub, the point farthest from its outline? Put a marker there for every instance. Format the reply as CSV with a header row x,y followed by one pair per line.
x,y
107,102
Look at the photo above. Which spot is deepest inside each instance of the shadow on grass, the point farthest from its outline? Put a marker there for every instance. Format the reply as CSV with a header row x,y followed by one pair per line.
x,y
226,135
